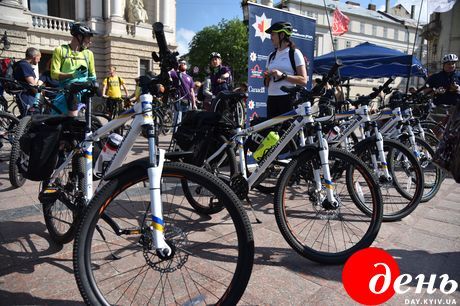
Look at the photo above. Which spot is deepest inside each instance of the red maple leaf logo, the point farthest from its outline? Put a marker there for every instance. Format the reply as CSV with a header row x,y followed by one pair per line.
x,y
261,26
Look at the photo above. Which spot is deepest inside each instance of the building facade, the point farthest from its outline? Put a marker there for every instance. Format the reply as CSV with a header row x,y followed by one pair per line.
x,y
393,28
443,36
124,27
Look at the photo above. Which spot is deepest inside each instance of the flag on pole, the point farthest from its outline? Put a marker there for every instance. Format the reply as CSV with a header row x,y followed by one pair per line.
x,y
340,23
440,6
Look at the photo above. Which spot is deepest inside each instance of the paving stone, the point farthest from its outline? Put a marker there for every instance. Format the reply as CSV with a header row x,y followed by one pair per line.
x,y
34,271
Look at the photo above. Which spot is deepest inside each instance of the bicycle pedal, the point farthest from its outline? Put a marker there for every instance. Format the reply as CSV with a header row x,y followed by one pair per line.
x,y
49,194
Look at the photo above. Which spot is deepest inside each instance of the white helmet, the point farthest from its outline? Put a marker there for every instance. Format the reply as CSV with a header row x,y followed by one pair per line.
x,y
449,58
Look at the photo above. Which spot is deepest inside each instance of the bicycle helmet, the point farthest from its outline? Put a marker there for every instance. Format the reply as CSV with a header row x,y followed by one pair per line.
x,y
280,27
80,29
214,54
449,58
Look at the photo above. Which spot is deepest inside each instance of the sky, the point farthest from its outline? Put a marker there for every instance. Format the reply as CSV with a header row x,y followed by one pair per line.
x,y
194,15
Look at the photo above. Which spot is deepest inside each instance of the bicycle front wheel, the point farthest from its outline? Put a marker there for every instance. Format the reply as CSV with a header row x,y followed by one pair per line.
x,y
403,191
312,226
115,263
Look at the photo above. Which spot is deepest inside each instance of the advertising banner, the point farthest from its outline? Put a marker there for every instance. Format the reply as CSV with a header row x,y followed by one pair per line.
x,y
260,47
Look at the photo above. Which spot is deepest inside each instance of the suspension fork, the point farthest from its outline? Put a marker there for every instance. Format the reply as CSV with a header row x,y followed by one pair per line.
x,y
412,140
156,161
242,164
323,147
381,153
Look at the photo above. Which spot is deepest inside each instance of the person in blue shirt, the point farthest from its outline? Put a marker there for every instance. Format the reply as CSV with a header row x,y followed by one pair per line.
x,y
445,84
219,74
23,72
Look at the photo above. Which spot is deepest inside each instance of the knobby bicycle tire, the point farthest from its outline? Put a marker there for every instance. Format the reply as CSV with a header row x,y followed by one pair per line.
x,y
311,226
62,211
223,171
432,174
113,260
403,193
8,125
16,178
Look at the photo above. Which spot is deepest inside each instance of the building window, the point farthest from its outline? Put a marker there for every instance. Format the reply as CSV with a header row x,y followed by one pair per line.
x,y
144,66
317,44
404,35
348,44
362,28
374,30
56,8
385,32
38,7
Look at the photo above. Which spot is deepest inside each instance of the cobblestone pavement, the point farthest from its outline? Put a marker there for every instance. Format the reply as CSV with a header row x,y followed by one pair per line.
x,y
33,271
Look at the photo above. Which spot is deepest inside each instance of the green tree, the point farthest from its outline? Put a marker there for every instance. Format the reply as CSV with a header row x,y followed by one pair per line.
x,y
230,39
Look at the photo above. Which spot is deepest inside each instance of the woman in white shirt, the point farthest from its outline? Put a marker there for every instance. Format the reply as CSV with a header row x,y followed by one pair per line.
x,y
280,70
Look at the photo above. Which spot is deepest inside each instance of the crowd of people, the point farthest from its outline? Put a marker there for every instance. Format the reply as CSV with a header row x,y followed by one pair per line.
x,y
285,67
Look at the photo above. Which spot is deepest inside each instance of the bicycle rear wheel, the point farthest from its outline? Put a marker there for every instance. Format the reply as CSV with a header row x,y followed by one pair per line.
x,y
63,201
224,167
16,178
313,227
114,262
8,124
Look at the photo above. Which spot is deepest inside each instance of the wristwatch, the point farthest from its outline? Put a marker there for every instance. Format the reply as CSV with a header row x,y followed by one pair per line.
x,y
283,76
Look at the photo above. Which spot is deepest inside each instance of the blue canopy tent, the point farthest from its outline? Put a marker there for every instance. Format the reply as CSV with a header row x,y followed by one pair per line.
x,y
370,61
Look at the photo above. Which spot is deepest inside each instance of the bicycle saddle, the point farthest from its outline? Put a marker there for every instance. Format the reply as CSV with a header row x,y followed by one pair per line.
x,y
90,86
230,94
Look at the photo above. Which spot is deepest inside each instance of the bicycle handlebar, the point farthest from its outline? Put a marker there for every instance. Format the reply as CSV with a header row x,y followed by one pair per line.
x,y
316,91
167,59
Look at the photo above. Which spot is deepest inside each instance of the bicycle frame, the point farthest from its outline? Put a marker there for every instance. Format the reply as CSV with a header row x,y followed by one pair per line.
x,y
361,116
143,118
302,116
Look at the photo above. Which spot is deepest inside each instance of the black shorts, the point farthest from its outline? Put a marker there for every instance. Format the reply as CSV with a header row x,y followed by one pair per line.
x,y
277,105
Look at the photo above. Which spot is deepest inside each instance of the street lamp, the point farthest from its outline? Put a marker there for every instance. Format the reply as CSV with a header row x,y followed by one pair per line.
x,y
6,43
244,6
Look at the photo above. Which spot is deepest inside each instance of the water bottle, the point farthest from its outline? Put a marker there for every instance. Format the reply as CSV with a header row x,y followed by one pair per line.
x,y
108,151
37,99
269,141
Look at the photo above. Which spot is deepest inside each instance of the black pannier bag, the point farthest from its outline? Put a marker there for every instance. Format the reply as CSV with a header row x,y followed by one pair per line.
x,y
39,146
199,132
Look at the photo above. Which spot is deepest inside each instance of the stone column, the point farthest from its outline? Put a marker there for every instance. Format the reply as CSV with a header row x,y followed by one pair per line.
x,y
164,13
96,9
25,4
80,10
12,2
116,9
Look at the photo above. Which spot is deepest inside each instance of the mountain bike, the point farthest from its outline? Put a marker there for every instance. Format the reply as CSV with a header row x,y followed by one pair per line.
x,y
138,234
316,195
394,165
44,105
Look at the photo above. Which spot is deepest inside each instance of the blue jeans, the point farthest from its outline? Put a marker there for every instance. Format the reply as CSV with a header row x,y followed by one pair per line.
x,y
179,107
